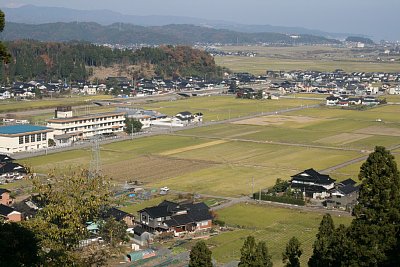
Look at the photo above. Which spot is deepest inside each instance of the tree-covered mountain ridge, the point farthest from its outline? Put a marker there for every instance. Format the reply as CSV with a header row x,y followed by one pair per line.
x,y
119,33
76,60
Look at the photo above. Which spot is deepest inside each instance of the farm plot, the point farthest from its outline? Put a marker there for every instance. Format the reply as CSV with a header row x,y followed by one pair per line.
x,y
224,107
151,168
291,121
273,225
236,163
113,153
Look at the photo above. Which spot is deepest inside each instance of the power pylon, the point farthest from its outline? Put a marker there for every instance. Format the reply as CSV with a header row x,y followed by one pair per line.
x,y
94,169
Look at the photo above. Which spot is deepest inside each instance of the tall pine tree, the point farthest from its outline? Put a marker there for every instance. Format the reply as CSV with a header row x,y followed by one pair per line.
x,y
375,230
254,254
4,55
322,255
200,255
292,254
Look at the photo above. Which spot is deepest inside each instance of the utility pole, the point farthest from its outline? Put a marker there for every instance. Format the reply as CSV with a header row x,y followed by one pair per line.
x,y
252,187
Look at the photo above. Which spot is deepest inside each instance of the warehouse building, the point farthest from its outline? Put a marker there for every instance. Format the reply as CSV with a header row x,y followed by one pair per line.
x,y
21,138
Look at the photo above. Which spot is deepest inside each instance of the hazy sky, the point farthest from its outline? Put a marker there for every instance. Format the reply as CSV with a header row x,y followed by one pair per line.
x,y
372,17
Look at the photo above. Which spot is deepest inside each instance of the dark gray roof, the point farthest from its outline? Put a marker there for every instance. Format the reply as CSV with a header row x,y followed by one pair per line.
x,y
311,175
348,189
118,214
138,230
157,211
348,182
5,210
8,167
5,158
3,190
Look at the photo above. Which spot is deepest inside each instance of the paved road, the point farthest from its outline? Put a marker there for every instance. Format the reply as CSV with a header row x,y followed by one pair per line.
x,y
352,161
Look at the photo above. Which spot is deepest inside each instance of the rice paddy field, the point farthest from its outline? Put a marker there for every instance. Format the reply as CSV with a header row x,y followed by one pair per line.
x,y
319,58
223,159
273,225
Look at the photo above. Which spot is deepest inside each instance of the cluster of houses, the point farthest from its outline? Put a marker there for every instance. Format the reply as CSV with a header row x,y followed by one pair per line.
x,y
314,185
337,82
345,101
118,86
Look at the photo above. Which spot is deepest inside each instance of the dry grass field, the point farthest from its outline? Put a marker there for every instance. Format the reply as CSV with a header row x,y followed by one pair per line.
x,y
319,58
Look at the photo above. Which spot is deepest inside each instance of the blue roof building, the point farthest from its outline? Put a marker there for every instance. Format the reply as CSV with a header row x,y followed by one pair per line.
x,y
23,138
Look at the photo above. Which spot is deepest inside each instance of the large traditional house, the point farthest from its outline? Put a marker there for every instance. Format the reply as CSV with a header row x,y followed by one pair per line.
x,y
176,217
344,195
312,184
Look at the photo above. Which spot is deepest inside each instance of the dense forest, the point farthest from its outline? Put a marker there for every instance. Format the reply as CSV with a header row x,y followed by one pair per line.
x,y
73,60
119,33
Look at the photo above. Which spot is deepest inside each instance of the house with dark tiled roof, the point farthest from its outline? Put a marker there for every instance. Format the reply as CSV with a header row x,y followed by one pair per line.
x,y
120,215
312,183
344,195
174,217
10,214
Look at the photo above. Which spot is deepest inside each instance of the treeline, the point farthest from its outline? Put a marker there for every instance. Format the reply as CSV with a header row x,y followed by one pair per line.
x,y
119,33
73,60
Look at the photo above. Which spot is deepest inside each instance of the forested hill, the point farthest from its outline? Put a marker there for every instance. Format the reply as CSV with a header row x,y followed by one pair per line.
x,y
75,60
131,34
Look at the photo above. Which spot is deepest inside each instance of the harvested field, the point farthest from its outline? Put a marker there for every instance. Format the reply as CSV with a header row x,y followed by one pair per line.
x,y
276,120
379,130
189,148
343,138
142,168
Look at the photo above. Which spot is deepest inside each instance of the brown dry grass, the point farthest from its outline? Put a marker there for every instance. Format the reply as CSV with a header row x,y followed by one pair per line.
x,y
379,130
343,138
189,148
101,73
276,120
151,168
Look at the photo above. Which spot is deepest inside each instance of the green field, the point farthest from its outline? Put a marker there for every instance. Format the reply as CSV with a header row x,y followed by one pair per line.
x,y
259,65
223,159
273,225
225,107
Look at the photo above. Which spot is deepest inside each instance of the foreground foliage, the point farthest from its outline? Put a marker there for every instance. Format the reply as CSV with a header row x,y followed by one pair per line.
x,y
373,238
200,255
69,201
254,254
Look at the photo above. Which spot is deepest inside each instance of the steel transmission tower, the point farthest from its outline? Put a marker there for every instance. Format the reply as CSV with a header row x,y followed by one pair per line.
x,y
94,169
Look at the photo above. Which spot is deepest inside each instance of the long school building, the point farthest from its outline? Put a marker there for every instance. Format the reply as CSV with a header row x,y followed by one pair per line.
x,y
20,138
77,128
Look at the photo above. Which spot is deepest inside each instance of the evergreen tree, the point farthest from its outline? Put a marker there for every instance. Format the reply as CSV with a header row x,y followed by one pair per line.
x,y
248,252
292,254
322,246
254,255
4,55
200,255
263,259
132,125
375,230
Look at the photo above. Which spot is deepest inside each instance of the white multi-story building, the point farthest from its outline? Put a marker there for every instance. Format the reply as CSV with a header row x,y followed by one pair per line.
x,y
73,128
20,138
